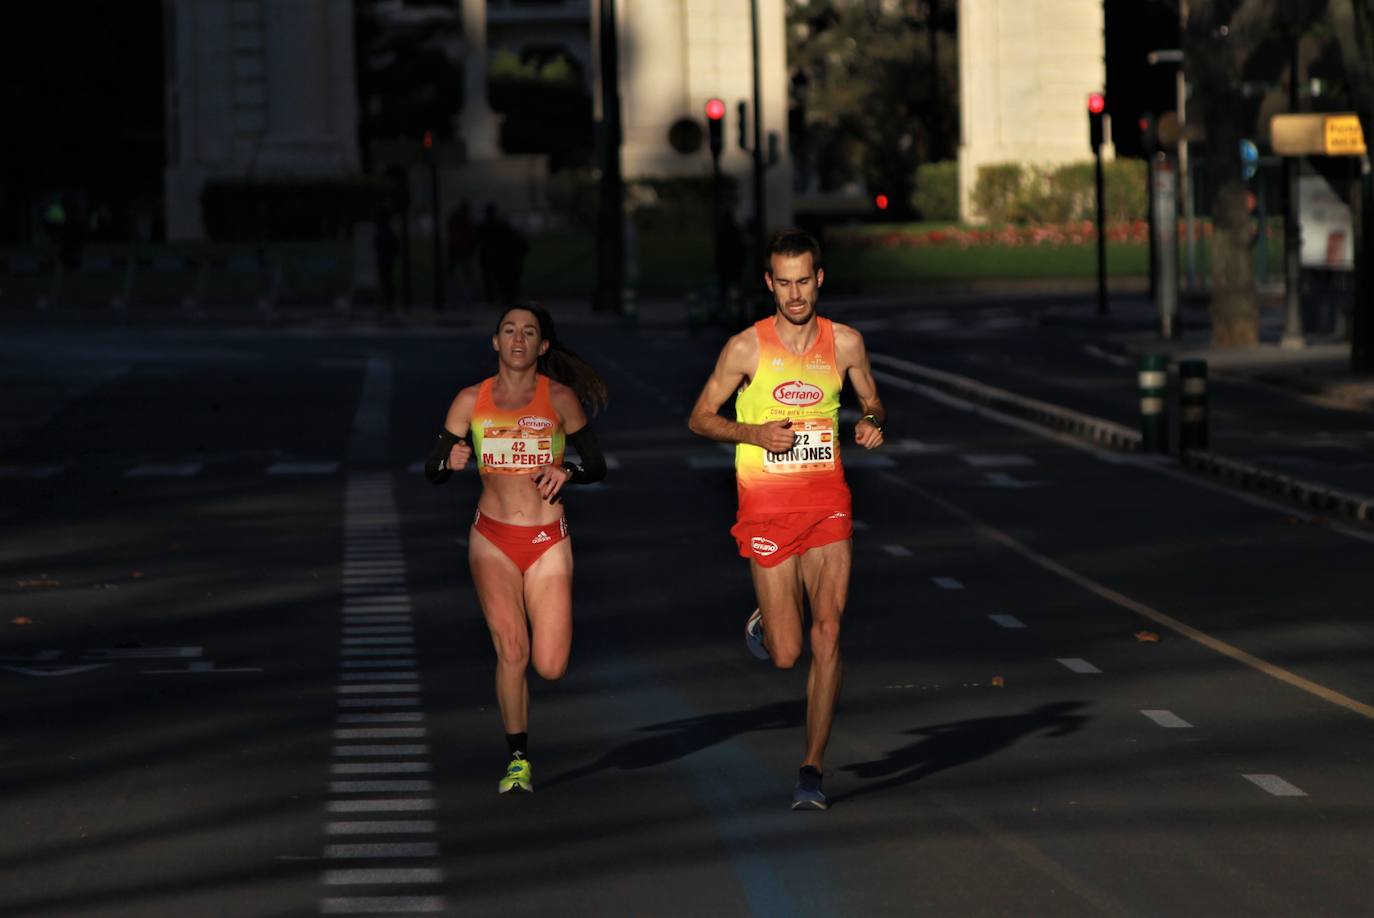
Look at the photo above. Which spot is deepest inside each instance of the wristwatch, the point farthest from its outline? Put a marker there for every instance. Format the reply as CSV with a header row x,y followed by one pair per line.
x,y
873,419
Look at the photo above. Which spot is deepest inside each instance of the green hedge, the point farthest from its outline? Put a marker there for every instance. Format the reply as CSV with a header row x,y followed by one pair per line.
x,y
291,209
1015,193
936,197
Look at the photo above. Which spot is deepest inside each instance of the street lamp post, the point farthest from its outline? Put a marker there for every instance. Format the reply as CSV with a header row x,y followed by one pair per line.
x,y
1293,334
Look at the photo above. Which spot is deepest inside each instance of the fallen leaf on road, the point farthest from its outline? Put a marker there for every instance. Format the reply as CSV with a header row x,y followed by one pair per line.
x,y
21,620
1147,637
998,682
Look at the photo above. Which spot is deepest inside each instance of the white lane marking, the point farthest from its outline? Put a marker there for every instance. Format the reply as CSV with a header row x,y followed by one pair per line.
x,y
30,471
1116,360
376,689
376,609
378,629
1003,480
165,470
867,459
410,702
345,752
861,526
1140,608
897,551
1008,621
383,905
377,651
710,462
142,653
393,717
379,768
947,583
383,875
1275,785
380,677
367,618
364,641
997,460
382,827
383,849
350,733
612,462
912,445
1078,665
393,600
303,468
414,786
1167,719
375,566
400,805
374,664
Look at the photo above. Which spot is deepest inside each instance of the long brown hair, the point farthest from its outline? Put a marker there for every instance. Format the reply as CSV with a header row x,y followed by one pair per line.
x,y
562,364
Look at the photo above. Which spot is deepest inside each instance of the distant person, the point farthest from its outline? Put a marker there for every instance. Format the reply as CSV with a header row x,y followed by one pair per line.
x,y
514,424
386,246
462,246
794,521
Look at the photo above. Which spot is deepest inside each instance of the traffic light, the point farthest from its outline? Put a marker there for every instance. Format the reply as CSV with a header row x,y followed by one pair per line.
x,y
1097,106
880,201
715,112
1149,140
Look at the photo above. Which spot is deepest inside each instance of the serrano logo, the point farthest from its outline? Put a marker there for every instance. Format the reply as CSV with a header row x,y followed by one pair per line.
x,y
534,422
797,392
762,546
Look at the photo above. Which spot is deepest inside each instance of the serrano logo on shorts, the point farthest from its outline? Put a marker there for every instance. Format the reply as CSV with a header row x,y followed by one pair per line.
x,y
762,546
798,393
534,422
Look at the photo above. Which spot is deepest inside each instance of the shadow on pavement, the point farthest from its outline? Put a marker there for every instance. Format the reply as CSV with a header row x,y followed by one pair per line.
x,y
676,739
946,746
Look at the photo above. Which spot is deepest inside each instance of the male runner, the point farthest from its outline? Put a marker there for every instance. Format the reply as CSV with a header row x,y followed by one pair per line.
x,y
794,522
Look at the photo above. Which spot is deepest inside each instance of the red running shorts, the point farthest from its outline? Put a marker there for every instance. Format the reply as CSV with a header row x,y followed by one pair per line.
x,y
771,540
522,544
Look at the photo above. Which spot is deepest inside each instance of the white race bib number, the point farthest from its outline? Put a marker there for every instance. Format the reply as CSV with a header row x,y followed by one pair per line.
x,y
813,450
504,450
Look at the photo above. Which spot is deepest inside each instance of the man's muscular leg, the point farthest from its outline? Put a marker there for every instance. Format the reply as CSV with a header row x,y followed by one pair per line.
x,y
821,573
825,573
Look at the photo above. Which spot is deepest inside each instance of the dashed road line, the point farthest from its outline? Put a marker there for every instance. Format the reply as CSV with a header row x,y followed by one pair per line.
x,y
1078,665
897,551
947,583
1273,784
1008,621
1167,719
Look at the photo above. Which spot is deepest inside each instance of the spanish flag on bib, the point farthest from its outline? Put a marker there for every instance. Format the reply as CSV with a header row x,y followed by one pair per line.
x,y
806,389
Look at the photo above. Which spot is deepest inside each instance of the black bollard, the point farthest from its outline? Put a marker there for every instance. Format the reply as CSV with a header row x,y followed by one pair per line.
x,y
1192,400
1154,420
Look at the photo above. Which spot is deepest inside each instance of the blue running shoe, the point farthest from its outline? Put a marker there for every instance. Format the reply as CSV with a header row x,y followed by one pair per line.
x,y
808,795
753,636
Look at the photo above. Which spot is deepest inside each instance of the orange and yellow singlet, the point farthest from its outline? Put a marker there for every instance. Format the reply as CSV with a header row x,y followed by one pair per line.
x,y
806,389
513,441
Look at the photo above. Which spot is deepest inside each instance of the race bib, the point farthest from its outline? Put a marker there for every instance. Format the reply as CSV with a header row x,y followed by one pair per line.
x,y
812,451
515,449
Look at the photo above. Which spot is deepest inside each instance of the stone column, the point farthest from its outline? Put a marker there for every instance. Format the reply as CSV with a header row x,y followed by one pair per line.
x,y
476,124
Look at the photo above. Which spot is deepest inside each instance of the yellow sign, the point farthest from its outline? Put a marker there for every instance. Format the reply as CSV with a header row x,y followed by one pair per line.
x,y
1334,134
1343,135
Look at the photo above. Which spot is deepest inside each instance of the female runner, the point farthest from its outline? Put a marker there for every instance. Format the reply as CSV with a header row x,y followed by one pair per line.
x,y
518,547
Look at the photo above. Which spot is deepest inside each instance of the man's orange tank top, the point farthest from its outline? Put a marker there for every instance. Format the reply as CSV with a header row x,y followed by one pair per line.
x,y
806,389
513,441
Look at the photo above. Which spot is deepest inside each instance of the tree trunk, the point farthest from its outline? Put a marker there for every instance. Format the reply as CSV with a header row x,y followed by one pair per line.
x,y
1216,45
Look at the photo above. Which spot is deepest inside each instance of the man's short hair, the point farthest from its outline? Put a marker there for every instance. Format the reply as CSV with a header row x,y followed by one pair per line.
x,y
793,242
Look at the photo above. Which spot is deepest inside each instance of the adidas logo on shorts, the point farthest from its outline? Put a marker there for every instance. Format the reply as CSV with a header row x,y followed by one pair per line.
x,y
541,538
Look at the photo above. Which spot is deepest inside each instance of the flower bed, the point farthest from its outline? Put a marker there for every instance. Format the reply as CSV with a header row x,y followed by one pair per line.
x,y
965,237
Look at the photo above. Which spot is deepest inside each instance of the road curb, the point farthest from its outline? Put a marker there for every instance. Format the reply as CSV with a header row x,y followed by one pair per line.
x,y
1102,432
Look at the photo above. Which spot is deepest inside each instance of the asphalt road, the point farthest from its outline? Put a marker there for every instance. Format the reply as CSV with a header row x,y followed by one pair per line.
x,y
244,672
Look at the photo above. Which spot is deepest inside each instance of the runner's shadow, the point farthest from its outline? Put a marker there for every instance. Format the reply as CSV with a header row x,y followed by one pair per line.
x,y
946,746
676,739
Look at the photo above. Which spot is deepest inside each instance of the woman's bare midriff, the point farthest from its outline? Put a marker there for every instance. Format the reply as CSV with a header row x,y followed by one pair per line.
x,y
514,499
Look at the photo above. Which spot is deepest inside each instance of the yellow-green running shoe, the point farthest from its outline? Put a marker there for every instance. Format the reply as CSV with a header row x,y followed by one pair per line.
x,y
517,776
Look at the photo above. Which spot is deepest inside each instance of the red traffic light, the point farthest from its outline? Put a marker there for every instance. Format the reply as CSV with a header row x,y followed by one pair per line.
x,y
429,140
1097,103
715,109
881,201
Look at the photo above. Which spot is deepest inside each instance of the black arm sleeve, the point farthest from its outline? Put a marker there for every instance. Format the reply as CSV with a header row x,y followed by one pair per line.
x,y
436,465
591,464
